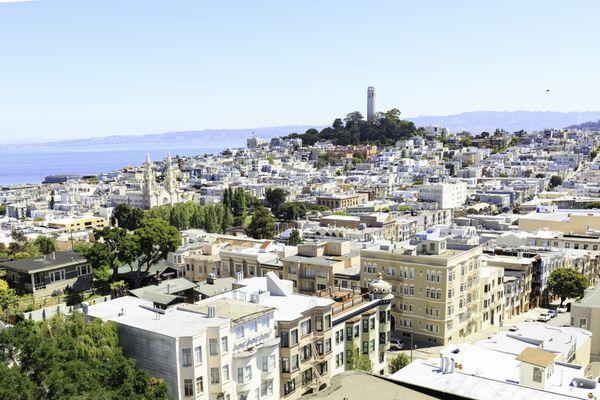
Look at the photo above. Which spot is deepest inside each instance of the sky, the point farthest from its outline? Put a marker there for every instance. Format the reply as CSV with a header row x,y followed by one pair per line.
x,y
75,69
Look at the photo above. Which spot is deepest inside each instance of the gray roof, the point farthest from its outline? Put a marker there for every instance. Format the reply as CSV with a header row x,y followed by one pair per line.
x,y
165,292
220,285
44,263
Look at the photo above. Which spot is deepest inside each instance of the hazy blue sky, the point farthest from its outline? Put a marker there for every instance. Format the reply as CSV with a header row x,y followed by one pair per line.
x,y
90,68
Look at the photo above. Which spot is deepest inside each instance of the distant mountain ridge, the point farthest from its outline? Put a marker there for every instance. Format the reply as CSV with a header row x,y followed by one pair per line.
x,y
591,125
511,121
227,137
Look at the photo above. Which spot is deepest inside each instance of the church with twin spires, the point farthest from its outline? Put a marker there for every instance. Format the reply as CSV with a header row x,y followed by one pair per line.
x,y
150,193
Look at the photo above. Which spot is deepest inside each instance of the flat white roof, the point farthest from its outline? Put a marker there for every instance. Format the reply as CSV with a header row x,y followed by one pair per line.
x,y
489,375
288,307
134,312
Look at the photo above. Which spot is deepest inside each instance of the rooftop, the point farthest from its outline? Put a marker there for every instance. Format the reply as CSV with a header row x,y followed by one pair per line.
x,y
358,385
44,263
541,358
236,311
138,313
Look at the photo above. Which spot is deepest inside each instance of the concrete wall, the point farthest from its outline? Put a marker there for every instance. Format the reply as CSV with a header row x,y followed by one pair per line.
x,y
158,354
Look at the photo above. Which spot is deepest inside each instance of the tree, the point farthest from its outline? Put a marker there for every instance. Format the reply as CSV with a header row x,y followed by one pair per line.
x,y
567,283
153,241
337,124
294,238
262,225
69,358
398,362
555,181
2,209
357,361
275,199
238,203
113,248
8,301
128,217
45,244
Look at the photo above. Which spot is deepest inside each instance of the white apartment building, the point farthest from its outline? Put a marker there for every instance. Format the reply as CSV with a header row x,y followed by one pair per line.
x,y
219,349
447,195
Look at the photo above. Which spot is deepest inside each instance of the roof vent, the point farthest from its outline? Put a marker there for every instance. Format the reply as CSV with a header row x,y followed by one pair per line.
x,y
211,311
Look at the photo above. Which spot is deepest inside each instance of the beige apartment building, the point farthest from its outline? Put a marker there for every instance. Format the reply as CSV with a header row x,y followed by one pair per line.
x,y
78,224
436,287
578,222
336,201
316,263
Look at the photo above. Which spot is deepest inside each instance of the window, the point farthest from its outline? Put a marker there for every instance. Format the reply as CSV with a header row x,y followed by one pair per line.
x,y
289,387
305,327
186,357
268,363
328,345
372,323
213,345
305,353
214,375
225,373
224,344
199,385
285,339
365,325
295,363
293,337
266,388
318,324
348,333
372,345
240,374
327,321
198,354
188,387
365,347
537,374
239,331
285,364
339,359
582,322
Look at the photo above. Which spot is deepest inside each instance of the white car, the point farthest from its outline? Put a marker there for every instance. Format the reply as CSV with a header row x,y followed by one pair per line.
x,y
561,310
396,344
544,317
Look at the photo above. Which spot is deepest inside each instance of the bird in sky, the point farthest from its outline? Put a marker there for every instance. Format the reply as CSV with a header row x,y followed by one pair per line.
x,y
547,91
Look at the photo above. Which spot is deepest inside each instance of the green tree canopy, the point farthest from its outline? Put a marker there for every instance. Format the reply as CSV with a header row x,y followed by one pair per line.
x,y
275,198
567,283
398,362
385,129
294,238
45,244
154,240
555,181
262,225
70,359
128,217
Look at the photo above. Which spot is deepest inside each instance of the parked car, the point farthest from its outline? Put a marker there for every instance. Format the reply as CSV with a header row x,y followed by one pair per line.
x,y
561,310
552,313
544,317
513,328
396,344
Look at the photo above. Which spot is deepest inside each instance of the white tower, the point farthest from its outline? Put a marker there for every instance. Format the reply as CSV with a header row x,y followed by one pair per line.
x,y
370,103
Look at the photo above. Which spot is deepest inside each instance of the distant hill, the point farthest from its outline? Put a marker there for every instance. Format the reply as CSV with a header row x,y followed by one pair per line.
x,y
224,137
511,121
592,126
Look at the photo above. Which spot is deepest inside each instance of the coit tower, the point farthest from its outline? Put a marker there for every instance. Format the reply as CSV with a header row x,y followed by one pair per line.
x,y
370,103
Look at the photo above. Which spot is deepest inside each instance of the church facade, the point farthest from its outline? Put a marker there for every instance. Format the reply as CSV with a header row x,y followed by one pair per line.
x,y
150,193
